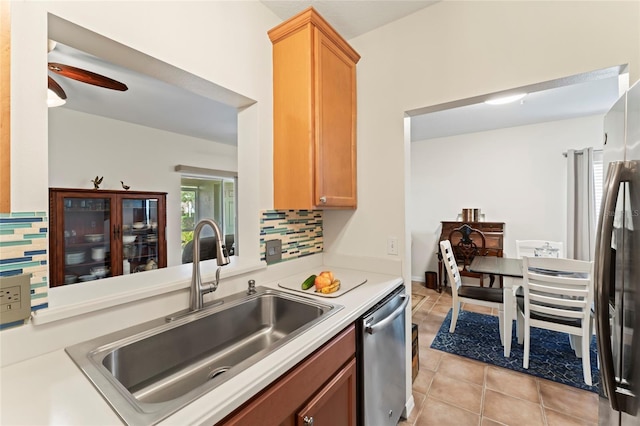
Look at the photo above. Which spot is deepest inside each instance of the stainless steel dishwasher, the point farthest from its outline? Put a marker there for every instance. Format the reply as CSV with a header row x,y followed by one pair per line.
x,y
382,361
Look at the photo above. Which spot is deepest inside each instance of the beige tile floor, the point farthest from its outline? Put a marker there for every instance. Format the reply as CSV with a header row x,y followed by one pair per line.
x,y
453,390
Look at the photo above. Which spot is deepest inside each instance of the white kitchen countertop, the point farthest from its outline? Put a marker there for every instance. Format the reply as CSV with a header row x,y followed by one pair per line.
x,y
51,389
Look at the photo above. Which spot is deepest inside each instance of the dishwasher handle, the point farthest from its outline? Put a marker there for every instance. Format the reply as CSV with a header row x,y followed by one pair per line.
x,y
372,328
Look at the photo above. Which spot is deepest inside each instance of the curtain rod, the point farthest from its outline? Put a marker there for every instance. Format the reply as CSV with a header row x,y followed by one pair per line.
x,y
564,154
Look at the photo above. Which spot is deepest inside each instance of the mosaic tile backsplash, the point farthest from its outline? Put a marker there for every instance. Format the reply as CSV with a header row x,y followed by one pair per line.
x,y
299,230
23,249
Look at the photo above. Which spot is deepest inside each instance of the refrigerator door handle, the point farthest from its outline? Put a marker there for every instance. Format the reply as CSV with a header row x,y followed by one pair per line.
x,y
617,173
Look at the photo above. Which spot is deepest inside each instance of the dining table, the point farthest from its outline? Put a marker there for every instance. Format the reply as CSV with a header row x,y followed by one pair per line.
x,y
503,267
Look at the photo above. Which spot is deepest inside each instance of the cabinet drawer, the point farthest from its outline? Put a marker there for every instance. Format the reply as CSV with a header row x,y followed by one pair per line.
x,y
280,402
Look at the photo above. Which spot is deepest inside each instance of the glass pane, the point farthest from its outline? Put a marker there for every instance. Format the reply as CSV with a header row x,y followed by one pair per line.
x,y
86,239
212,197
139,235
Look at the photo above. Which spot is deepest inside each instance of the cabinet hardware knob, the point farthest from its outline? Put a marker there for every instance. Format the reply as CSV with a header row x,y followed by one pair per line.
x,y
323,200
308,421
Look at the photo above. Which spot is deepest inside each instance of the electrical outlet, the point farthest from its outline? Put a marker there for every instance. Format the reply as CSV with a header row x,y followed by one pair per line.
x,y
15,298
392,245
273,251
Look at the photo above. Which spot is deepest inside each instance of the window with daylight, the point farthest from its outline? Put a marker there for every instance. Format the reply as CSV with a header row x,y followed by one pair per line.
x,y
598,179
212,197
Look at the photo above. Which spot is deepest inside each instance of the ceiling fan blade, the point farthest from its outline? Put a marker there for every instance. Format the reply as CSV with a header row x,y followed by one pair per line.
x,y
55,87
86,76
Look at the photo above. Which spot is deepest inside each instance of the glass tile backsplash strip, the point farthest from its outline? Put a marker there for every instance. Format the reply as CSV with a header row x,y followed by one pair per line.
x,y
23,249
299,230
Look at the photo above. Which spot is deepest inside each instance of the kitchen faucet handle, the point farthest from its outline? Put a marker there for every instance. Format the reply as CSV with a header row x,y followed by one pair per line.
x,y
252,287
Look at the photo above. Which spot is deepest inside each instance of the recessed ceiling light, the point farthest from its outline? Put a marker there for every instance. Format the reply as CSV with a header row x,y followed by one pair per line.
x,y
505,99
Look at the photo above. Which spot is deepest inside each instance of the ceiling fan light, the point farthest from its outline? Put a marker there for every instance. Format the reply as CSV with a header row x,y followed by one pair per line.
x,y
505,99
54,100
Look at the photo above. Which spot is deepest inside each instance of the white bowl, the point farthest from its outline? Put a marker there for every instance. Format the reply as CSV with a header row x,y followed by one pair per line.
x,y
128,239
93,238
100,271
138,225
97,253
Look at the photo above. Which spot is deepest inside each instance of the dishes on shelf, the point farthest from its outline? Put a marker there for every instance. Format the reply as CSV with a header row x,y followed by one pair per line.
x,y
100,271
84,278
73,258
97,253
152,238
70,279
94,238
128,239
138,225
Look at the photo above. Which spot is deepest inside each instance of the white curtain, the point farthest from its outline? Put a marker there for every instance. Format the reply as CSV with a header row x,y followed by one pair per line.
x,y
581,220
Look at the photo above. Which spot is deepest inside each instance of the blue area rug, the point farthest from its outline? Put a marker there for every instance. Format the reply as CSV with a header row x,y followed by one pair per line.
x,y
551,357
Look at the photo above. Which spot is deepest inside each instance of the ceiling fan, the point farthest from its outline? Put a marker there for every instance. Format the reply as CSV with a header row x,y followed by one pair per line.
x,y
78,74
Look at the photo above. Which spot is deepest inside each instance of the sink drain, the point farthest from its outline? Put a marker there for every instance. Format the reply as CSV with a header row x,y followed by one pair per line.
x,y
218,371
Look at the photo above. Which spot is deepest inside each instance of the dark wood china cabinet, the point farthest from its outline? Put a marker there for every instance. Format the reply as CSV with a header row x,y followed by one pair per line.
x,y
96,234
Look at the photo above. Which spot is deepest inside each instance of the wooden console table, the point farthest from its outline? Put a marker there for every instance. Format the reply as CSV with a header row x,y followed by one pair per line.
x,y
494,240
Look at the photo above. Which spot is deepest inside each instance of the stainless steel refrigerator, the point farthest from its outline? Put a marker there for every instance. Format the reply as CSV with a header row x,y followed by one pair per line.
x,y
617,269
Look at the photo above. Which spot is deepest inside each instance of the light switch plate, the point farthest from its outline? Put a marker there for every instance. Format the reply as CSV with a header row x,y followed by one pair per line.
x,y
273,251
15,298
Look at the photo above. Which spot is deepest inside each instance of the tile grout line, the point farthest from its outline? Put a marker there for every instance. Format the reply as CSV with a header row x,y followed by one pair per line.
x,y
433,315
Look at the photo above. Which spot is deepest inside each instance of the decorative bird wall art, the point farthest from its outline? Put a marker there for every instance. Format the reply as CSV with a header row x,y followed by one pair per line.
x,y
96,182
126,187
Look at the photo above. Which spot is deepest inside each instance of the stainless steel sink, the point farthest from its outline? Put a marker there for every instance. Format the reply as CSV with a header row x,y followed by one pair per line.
x,y
151,370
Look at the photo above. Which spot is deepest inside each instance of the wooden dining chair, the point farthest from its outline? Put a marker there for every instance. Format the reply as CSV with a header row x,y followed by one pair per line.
x,y
467,243
483,296
557,295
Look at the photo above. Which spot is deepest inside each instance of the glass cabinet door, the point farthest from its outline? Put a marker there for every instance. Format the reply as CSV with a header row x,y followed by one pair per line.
x,y
87,231
140,234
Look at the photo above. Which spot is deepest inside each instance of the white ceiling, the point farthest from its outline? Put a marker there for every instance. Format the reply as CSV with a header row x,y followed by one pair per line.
x,y
159,104
350,18
148,101
559,103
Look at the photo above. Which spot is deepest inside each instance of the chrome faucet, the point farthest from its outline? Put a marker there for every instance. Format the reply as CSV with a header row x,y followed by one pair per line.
x,y
198,290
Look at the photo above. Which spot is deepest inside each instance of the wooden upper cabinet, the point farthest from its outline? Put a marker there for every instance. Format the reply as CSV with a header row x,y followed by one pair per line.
x,y
5,107
314,115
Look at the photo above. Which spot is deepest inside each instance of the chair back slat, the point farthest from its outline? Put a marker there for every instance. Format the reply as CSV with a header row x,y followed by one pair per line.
x,y
555,301
451,266
569,314
558,290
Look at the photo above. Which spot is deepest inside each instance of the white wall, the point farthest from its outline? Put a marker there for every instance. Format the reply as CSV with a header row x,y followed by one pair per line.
x,y
456,50
82,146
515,175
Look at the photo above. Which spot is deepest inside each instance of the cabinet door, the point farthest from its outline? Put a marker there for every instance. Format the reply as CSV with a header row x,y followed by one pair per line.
x,y
335,403
142,232
80,241
335,142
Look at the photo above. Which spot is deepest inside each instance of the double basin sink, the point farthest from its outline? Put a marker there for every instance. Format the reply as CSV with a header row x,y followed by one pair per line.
x,y
149,371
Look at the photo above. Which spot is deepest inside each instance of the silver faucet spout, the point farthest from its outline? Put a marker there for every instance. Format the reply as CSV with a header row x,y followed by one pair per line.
x,y
197,289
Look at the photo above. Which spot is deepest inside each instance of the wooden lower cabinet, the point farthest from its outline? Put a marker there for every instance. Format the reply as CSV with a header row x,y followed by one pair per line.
x,y
321,390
